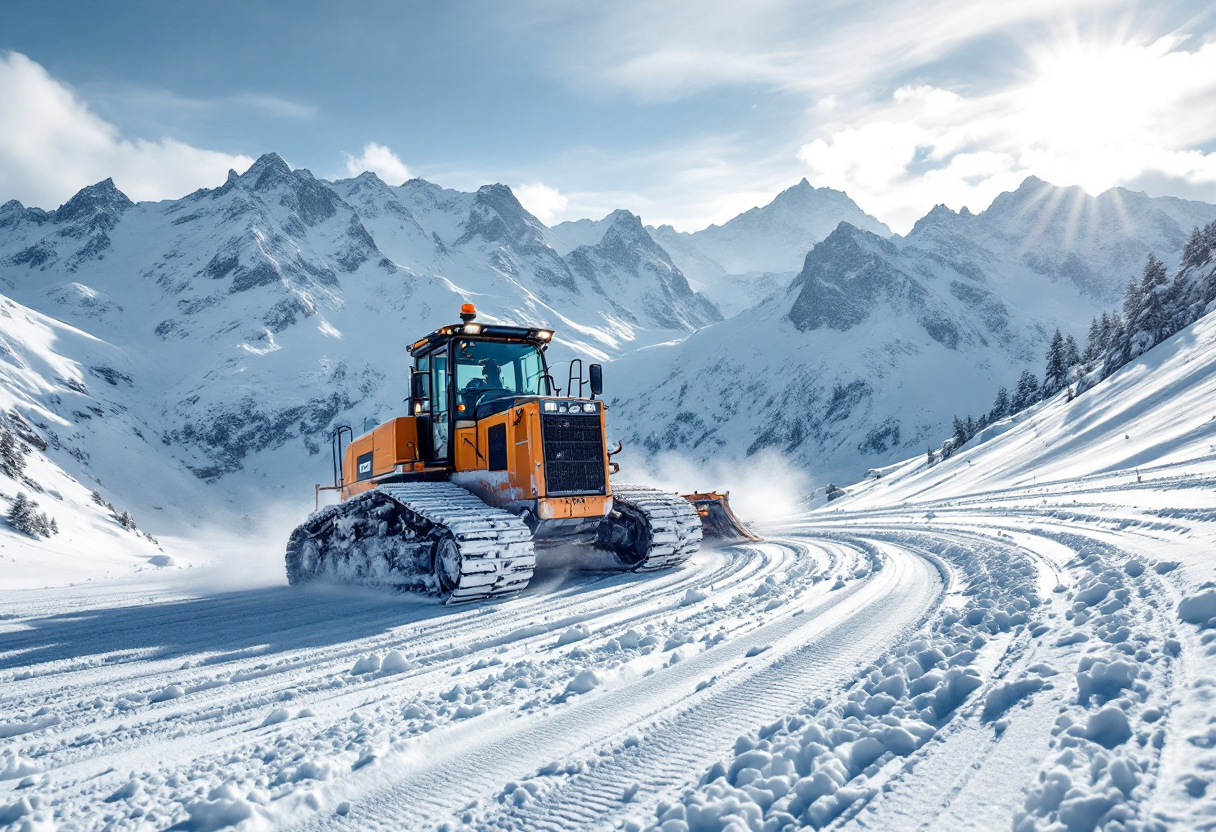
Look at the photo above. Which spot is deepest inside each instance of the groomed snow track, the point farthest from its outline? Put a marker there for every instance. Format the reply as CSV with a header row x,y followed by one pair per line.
x,y
600,700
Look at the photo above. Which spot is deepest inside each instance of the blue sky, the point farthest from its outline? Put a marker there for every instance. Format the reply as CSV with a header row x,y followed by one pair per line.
x,y
683,113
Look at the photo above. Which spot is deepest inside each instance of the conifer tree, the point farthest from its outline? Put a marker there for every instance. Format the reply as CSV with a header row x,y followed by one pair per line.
x,y
1000,406
20,511
1057,369
1152,318
1026,393
12,454
1093,341
1071,357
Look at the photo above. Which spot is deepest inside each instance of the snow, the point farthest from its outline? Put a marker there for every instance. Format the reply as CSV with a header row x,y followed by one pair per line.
x,y
1019,637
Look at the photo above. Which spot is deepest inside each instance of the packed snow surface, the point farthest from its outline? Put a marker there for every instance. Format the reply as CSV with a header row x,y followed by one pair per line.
x,y
1021,637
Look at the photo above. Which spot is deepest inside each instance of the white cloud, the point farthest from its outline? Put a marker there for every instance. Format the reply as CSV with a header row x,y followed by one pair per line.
x,y
381,161
657,50
543,202
1092,115
52,145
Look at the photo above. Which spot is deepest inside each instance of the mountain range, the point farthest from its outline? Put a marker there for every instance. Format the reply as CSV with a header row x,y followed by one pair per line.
x,y
216,339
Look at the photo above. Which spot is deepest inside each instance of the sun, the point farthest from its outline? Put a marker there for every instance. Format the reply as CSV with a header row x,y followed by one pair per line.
x,y
1083,97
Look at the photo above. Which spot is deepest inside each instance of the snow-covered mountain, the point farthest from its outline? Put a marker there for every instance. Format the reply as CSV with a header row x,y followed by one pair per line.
x,y
255,316
878,343
1092,243
238,325
744,260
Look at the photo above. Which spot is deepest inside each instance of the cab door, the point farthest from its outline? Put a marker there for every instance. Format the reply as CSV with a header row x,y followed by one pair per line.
x,y
440,406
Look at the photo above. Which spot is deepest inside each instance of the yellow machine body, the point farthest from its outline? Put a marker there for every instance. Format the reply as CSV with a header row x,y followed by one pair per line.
x,y
518,476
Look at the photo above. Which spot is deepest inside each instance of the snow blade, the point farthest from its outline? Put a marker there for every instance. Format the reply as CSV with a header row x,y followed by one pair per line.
x,y
718,522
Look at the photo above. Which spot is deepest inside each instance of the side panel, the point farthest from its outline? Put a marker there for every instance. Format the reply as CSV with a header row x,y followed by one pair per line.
x,y
396,443
353,482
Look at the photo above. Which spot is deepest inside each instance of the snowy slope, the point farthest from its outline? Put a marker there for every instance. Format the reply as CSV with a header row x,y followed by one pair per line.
x,y
956,655
877,343
1158,413
54,399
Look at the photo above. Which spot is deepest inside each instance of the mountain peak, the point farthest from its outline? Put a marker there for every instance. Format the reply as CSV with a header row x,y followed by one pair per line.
x,y
939,216
102,198
268,170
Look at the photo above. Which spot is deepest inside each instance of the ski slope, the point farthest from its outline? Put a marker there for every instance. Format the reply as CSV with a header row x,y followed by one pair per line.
x,y
1016,638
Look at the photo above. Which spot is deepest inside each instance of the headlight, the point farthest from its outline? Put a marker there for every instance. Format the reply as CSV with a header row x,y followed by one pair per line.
x,y
590,408
550,407
471,329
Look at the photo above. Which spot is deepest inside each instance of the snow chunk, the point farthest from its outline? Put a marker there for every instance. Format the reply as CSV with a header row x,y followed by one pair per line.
x,y
582,683
394,663
693,596
1082,814
12,767
1198,609
13,812
131,789
368,664
223,807
630,640
1109,727
276,716
575,633
170,692
1099,678
1094,594
13,729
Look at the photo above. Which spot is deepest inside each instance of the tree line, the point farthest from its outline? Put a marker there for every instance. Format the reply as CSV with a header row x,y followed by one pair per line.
x,y
1154,308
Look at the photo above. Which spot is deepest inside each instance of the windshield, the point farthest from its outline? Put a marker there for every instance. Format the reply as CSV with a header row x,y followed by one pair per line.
x,y
488,370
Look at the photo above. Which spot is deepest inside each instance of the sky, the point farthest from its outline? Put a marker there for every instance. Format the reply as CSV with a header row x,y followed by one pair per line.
x,y
684,113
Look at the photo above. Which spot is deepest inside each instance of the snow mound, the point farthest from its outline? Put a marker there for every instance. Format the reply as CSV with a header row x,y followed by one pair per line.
x,y
1199,609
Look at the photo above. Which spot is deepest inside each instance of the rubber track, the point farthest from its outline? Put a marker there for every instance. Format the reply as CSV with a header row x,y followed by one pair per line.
x,y
675,526
496,554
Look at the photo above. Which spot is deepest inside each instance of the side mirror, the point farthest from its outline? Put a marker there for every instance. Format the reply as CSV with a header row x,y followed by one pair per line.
x,y
597,379
420,387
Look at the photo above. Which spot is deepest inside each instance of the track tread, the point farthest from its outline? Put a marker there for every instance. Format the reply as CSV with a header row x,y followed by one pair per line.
x,y
675,526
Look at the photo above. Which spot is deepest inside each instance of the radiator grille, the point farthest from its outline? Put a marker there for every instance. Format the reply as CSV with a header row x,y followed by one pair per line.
x,y
574,454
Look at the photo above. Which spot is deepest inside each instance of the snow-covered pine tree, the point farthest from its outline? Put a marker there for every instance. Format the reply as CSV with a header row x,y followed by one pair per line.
x,y
1093,341
23,517
1057,366
1071,357
1026,393
53,526
960,432
1199,246
1151,326
1107,323
1000,405
12,454
127,521
1194,287
1131,302
19,512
